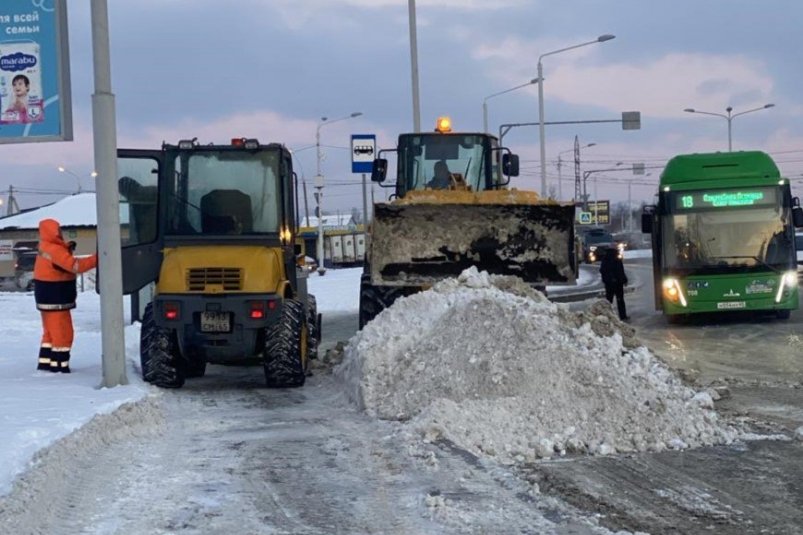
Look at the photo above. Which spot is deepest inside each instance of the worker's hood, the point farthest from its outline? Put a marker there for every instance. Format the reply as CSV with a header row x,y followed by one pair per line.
x,y
50,231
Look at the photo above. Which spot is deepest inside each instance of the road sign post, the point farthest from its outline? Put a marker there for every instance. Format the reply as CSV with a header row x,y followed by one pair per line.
x,y
363,152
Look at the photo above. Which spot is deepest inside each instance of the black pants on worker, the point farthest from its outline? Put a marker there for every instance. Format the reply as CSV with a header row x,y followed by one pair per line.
x,y
617,290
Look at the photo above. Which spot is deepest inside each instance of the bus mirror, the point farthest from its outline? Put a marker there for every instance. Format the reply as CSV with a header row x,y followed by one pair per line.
x,y
510,164
379,170
646,223
797,216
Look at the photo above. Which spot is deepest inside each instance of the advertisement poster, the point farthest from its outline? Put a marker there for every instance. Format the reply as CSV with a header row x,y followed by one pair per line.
x,y
34,72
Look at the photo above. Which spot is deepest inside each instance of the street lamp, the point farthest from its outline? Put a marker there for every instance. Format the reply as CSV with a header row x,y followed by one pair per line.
x,y
485,101
600,39
560,164
63,169
319,183
729,117
586,174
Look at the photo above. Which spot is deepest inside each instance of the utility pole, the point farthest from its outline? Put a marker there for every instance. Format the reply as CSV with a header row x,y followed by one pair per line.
x,y
306,206
12,207
110,270
414,66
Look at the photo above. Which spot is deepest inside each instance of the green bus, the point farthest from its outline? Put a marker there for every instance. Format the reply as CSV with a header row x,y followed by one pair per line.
x,y
723,236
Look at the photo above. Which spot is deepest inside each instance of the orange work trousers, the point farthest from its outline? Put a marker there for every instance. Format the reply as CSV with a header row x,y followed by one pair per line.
x,y
57,336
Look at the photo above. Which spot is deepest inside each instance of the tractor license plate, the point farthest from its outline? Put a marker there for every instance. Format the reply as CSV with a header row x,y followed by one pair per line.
x,y
215,322
730,305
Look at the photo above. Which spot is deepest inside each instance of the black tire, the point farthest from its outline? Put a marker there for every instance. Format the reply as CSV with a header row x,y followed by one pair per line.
x,y
285,344
783,314
375,299
314,326
676,319
158,353
195,369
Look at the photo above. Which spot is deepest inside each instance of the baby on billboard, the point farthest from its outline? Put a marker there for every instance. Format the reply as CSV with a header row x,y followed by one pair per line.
x,y
20,84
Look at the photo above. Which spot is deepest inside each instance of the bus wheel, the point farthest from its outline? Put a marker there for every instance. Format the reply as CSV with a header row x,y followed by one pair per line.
x,y
783,314
675,319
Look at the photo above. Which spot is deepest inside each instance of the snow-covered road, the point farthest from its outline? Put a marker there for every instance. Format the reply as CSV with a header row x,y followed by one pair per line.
x,y
224,455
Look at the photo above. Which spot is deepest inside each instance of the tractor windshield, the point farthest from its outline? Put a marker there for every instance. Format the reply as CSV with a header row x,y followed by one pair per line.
x,y
444,161
225,192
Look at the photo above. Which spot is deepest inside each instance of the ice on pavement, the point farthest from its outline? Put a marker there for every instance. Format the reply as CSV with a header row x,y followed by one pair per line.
x,y
491,365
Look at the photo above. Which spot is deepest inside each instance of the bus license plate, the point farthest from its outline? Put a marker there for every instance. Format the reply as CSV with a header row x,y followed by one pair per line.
x,y
727,305
215,322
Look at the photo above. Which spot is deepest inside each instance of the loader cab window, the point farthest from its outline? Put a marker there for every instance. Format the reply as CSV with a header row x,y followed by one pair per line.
x,y
225,192
138,200
443,161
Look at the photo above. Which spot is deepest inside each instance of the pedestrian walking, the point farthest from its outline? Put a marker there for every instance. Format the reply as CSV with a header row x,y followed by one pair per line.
x,y
613,277
54,274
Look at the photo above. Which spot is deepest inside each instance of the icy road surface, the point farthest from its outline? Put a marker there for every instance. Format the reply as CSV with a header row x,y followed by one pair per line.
x,y
224,455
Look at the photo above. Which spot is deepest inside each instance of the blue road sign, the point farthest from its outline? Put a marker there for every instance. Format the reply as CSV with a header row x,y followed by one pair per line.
x,y
363,152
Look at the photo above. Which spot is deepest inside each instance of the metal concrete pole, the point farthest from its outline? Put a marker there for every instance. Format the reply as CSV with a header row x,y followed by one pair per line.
x,y
730,130
600,39
542,140
105,144
364,202
414,66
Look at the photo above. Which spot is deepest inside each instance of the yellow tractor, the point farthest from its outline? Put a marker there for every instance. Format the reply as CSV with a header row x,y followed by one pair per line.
x,y
452,209
214,227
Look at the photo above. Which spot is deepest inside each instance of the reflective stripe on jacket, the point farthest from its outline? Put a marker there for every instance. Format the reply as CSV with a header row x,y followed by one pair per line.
x,y
55,269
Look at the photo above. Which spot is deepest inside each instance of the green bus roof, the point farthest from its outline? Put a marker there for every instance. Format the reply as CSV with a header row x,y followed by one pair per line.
x,y
714,166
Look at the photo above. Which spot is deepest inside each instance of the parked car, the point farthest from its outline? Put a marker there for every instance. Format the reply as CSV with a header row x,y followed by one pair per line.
x,y
25,257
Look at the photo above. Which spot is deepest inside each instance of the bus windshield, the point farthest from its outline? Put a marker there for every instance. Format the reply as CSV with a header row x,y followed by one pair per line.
x,y
728,231
441,161
225,192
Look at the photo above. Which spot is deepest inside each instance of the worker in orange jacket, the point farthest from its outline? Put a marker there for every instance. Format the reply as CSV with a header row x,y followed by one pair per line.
x,y
54,275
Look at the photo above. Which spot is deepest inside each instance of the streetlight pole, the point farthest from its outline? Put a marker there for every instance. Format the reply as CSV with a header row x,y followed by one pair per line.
x,y
414,66
729,117
588,173
600,39
63,169
319,183
485,101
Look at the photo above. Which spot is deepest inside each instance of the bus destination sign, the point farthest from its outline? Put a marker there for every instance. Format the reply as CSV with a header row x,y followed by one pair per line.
x,y
701,200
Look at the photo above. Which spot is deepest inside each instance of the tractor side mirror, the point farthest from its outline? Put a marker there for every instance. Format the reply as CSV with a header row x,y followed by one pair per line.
x,y
510,164
379,170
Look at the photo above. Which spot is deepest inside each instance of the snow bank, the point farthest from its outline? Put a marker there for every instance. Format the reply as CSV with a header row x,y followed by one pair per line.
x,y
493,366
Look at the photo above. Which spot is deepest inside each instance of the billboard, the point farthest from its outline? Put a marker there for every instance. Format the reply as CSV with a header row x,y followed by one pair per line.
x,y
35,102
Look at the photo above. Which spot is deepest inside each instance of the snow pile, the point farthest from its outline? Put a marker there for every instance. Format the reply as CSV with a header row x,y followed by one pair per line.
x,y
491,365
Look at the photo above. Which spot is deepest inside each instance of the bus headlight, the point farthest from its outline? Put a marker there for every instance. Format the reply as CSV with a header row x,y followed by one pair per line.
x,y
673,292
788,281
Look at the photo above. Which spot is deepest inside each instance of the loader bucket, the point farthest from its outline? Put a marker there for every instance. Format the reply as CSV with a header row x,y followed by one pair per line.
x,y
420,244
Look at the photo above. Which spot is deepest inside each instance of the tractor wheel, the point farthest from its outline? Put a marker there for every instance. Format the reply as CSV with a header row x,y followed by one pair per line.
x,y
314,327
375,299
158,352
286,341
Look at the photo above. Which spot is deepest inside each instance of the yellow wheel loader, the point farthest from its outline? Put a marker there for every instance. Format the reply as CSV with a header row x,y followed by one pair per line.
x,y
452,209
214,227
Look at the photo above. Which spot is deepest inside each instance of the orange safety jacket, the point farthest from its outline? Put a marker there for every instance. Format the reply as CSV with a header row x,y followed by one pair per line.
x,y
55,269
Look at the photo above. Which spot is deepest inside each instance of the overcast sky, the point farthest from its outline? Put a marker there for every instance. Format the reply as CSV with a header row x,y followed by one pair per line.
x,y
272,68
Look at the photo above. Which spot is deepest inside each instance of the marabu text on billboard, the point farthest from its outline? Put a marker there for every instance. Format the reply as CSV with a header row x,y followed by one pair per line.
x,y
35,100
